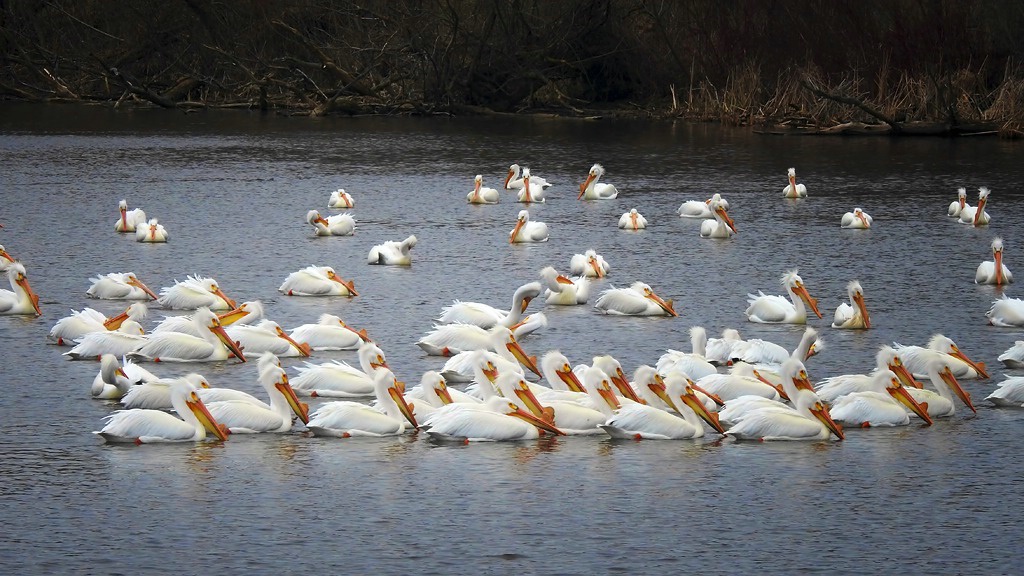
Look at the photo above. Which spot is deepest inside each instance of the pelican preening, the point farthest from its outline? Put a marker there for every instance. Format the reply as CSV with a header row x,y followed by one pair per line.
x,y
119,286
593,189
721,226
339,199
317,281
589,264
129,220
632,220
392,252
527,230
855,314
144,426
195,292
701,208
20,299
337,225
562,290
151,231
481,194
957,206
767,309
976,215
637,300
794,190
1006,312
994,272
514,182
858,220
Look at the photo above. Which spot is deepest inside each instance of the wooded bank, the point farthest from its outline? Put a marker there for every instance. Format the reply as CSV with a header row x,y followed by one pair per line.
x,y
894,66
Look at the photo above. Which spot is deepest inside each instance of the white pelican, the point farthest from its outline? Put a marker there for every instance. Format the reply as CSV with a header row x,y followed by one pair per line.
x,y
195,292
214,344
642,421
151,231
776,309
939,402
1013,357
86,321
810,420
337,379
855,314
637,300
994,272
119,286
345,418
721,226
514,182
450,339
1009,394
694,363
495,420
242,417
567,415
156,394
957,206
480,194
129,219
718,351
20,299
111,383
337,225
527,230
794,190
593,189
887,359
500,349
5,258
632,220
317,281
1006,312
701,208
562,380
858,219
738,382
589,264
429,395
917,358
564,291
882,404
143,426
266,337
976,215
758,351
329,333
124,340
486,316
246,313
531,191
340,199
392,252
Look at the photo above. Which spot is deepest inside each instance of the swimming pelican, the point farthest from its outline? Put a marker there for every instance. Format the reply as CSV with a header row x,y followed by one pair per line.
x,y
939,402
337,379
957,206
266,337
1009,394
694,363
242,417
246,313
593,189
111,383
495,420
794,190
499,347
858,219
763,352
637,300
486,316
5,258
976,215
567,415
810,420
143,426
20,299
775,309
119,286
564,291
917,358
317,281
721,227
329,333
738,382
481,194
88,320
855,314
701,208
392,252
881,405
514,182
642,421
994,272
1013,357
589,264
887,359
450,339
527,230
340,199
155,394
531,191
1006,312
195,292
337,225
429,395
214,345
345,418
151,231
718,351
632,220
129,219
124,340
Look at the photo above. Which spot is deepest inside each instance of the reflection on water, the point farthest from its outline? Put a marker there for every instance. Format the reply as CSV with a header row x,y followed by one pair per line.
x,y
232,190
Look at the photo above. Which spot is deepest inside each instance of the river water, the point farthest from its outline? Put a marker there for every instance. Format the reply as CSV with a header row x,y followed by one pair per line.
x,y
232,189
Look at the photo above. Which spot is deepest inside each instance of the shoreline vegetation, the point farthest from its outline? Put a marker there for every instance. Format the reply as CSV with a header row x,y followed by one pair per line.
x,y
893,67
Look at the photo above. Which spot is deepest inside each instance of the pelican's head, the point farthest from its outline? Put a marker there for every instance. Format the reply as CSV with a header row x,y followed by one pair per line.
x,y
513,346
513,172
596,171
331,275
820,411
719,209
183,389
213,288
122,205
900,394
211,322
18,276
961,194
278,380
791,173
648,293
795,284
599,388
946,375
304,349
436,384
385,382
5,255
371,357
521,220
857,297
554,363
997,246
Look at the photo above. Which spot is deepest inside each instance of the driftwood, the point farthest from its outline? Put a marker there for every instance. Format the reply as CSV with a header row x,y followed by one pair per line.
x,y
870,110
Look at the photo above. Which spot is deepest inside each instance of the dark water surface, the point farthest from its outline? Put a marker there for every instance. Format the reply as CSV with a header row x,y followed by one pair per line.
x,y
232,190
